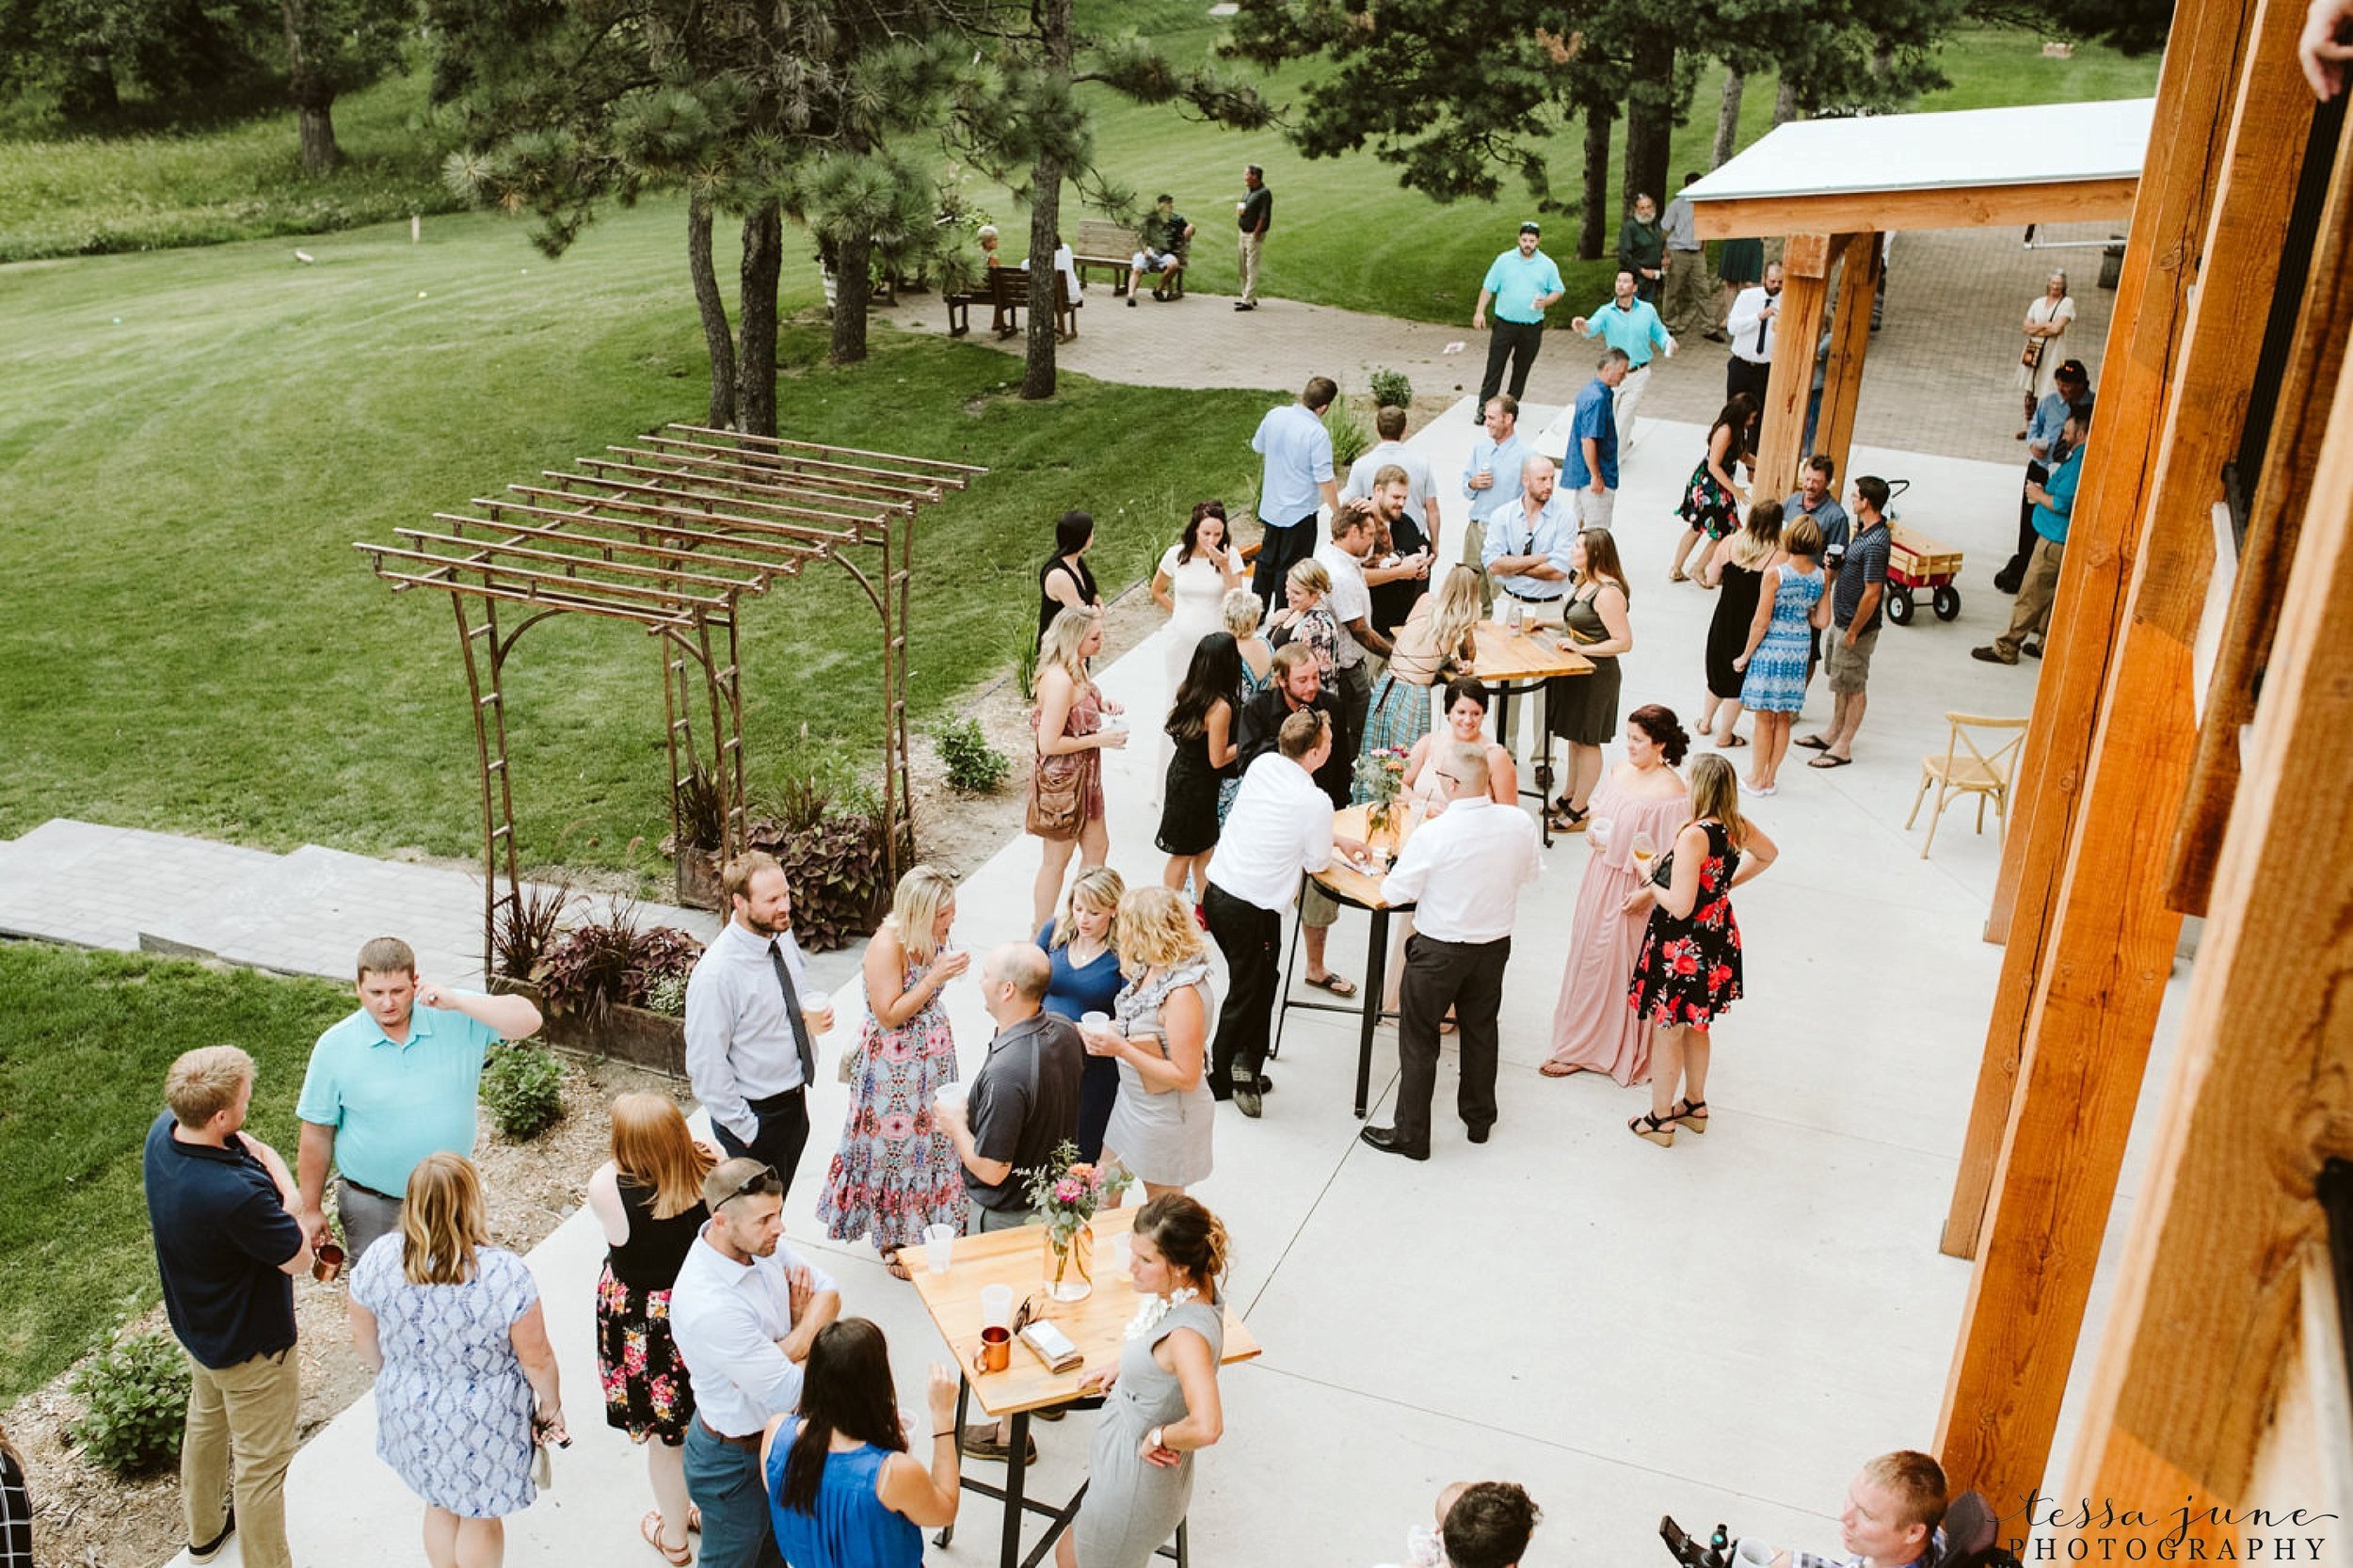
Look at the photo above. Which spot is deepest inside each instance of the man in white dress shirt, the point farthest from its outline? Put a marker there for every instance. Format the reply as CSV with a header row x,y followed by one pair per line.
x,y
1750,327
1353,531
744,1312
1280,827
1462,871
750,1053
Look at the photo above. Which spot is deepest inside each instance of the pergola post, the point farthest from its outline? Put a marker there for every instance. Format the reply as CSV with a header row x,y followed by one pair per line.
x,y
1859,268
2094,968
1797,328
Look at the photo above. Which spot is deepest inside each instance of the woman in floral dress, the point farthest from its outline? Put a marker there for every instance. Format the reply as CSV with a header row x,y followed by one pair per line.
x,y
1690,971
1712,498
896,1171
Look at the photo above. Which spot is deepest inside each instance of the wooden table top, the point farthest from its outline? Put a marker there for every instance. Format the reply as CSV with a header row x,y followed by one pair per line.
x,y
1352,884
1019,1258
1508,655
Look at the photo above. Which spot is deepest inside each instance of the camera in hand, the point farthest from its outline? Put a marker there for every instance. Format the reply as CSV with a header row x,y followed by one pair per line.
x,y
1716,1552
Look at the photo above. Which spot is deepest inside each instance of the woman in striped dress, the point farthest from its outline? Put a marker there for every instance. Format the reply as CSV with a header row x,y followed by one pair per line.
x,y
1433,647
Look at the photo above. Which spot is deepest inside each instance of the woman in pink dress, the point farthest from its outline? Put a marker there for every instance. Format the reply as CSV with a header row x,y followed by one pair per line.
x,y
1641,798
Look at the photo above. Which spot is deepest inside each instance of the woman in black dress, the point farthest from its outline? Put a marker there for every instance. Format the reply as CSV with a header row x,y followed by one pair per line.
x,y
1064,582
1205,723
1734,570
1584,707
648,1199
1689,970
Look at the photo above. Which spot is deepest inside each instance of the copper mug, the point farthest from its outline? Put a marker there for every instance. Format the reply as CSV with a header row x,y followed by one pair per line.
x,y
326,1261
996,1350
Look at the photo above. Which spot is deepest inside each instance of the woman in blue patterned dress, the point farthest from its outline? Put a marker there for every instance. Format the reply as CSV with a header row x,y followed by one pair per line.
x,y
1789,603
896,1171
466,1380
1245,610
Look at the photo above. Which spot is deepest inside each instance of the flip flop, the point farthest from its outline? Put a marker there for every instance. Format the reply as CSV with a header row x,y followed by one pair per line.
x,y
1557,1069
1339,985
1827,761
1812,742
1729,742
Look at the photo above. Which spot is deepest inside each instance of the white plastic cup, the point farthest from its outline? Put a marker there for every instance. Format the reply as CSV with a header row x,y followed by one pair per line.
x,y
949,1096
1598,830
940,1247
1510,615
817,1011
995,1306
1752,1553
1095,1020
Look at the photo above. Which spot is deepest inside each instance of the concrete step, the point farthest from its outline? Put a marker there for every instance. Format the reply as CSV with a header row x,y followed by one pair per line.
x,y
94,886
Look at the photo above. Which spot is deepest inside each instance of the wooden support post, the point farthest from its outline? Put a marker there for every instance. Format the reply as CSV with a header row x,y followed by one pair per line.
x,y
1849,340
2262,1086
2110,936
1797,326
2185,151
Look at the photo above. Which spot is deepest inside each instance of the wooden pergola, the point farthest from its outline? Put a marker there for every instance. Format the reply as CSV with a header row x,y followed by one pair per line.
x,y
2191,754
670,533
1834,188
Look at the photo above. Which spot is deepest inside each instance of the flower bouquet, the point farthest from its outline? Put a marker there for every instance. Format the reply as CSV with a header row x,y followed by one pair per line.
x,y
1064,1192
1381,779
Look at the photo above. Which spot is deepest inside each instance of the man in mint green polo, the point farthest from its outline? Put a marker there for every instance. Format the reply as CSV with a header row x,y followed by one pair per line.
x,y
1520,284
388,1085
1630,324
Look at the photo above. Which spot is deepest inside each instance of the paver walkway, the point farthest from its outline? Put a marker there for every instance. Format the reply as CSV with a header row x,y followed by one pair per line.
x,y
1938,377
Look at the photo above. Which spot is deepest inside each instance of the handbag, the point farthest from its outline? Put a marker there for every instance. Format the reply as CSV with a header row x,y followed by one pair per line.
x,y
1058,797
2032,356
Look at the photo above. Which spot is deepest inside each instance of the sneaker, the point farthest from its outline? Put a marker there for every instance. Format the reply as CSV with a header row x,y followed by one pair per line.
x,y
1991,655
1131,303
2032,650
212,1549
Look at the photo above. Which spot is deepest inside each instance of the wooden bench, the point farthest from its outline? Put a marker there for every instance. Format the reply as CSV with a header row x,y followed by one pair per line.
x,y
1106,245
1007,296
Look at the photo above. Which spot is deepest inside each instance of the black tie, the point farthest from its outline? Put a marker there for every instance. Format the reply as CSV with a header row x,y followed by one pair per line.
x,y
1760,330
792,1010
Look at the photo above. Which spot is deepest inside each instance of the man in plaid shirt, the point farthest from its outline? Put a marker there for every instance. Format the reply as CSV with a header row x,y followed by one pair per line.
x,y
1894,1508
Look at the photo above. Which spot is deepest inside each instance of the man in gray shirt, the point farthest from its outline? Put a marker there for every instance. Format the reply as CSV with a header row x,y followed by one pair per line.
x,y
1024,1101
1684,303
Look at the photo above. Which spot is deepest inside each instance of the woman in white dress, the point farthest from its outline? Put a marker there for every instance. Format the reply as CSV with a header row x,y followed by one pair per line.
x,y
2046,319
1191,584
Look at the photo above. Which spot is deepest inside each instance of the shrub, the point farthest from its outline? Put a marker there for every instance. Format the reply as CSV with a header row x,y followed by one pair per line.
x,y
1024,664
839,874
668,996
524,932
134,1396
1391,389
1350,437
974,767
611,963
700,818
522,1085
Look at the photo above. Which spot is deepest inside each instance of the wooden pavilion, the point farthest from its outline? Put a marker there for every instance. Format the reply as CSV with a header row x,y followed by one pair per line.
x,y
2202,630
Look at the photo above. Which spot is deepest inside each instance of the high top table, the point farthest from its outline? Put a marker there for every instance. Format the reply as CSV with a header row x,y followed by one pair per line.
x,y
1019,1258
1359,886
1511,662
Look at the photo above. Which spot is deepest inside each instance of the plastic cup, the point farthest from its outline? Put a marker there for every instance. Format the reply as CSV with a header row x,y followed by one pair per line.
x,y
940,1247
1598,830
817,1011
1512,614
949,1096
995,1306
1753,1554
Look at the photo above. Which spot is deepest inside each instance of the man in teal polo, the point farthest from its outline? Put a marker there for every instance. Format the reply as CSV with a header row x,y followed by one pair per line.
x,y
1520,284
388,1085
1630,324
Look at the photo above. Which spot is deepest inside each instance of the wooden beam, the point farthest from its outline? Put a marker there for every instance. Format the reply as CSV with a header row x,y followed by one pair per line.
x,y
1797,326
1849,340
2262,1087
1955,207
2274,516
2111,937
2186,152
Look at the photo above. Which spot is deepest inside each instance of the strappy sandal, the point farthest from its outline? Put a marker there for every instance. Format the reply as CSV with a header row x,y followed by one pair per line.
x,y
1690,1115
1567,819
650,1528
1558,1069
898,1267
1651,1129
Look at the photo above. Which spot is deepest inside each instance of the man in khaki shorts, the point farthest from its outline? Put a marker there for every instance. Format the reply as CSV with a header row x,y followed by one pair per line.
x,y
1856,596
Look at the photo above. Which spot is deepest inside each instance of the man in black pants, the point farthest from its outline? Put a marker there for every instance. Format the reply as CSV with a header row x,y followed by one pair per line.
x,y
1462,870
1296,482
1280,827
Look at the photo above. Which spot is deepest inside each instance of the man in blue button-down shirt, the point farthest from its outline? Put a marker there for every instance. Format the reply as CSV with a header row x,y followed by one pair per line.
x,y
1632,326
1297,479
1528,546
1591,464
1493,482
1520,283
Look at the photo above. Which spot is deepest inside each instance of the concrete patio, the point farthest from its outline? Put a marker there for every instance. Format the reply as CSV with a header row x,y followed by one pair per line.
x,y
1720,1331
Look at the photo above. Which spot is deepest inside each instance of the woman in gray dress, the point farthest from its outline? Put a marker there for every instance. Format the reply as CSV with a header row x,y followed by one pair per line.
x,y
1161,1123
1162,1404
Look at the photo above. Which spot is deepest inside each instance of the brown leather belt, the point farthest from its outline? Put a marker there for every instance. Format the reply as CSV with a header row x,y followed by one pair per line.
x,y
709,1430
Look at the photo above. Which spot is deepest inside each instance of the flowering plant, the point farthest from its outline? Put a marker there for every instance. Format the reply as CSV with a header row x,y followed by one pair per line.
x,y
1066,1191
1380,775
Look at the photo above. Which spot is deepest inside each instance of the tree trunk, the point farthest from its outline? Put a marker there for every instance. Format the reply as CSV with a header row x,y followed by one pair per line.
x,y
1786,99
714,313
313,96
1592,222
1650,118
88,92
1728,119
1052,19
853,285
315,123
756,349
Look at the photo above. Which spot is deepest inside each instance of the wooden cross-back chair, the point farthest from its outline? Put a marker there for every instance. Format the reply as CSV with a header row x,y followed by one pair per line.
x,y
1971,764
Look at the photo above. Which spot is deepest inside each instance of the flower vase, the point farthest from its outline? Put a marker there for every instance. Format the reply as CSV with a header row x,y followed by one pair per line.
x,y
1071,1264
1381,826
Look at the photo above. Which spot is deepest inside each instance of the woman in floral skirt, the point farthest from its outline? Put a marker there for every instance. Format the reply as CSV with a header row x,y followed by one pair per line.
x,y
1690,971
1712,498
896,1171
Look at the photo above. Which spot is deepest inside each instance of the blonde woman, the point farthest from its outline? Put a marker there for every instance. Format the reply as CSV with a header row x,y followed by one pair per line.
x,y
1305,620
895,1171
1734,568
648,1198
1066,785
466,1380
1081,947
1435,645
1159,1036
2039,361
1689,970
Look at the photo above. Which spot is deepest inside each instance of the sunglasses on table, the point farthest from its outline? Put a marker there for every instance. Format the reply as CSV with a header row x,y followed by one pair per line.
x,y
764,1182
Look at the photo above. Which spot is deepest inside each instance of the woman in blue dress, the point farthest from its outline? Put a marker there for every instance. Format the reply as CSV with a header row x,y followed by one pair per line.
x,y
1245,610
842,1490
466,1380
1789,603
1084,950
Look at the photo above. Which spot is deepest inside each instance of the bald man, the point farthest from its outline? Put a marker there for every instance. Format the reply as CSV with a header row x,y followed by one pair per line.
x,y
1024,1101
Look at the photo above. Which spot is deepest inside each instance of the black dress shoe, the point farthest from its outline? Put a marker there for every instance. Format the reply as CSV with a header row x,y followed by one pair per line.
x,y
1246,1101
1387,1141
1478,1134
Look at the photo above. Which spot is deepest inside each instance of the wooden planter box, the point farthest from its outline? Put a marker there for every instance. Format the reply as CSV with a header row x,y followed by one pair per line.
x,y
629,1034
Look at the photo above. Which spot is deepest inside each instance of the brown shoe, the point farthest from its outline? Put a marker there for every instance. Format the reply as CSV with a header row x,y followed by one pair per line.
x,y
980,1442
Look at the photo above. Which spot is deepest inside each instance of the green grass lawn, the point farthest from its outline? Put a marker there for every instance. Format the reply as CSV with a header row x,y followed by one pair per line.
x,y
192,441
84,1039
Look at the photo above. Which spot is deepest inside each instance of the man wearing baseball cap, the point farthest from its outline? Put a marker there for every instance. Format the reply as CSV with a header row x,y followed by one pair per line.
x,y
1520,284
2046,448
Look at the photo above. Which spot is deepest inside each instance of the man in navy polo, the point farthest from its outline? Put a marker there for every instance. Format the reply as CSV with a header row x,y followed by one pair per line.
x,y
1520,284
221,1205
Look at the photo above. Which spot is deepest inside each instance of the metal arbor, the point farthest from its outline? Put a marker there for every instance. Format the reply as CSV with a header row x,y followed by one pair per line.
x,y
670,533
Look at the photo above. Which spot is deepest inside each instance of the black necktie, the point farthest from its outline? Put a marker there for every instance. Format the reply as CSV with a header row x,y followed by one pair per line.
x,y
792,1010
1761,328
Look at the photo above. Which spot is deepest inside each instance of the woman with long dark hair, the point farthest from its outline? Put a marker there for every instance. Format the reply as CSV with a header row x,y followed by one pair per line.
x,y
1190,582
1204,724
1734,570
1064,582
1712,498
842,1490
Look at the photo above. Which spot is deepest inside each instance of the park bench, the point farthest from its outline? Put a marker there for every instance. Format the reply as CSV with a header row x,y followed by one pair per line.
x,y
1114,246
1007,296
